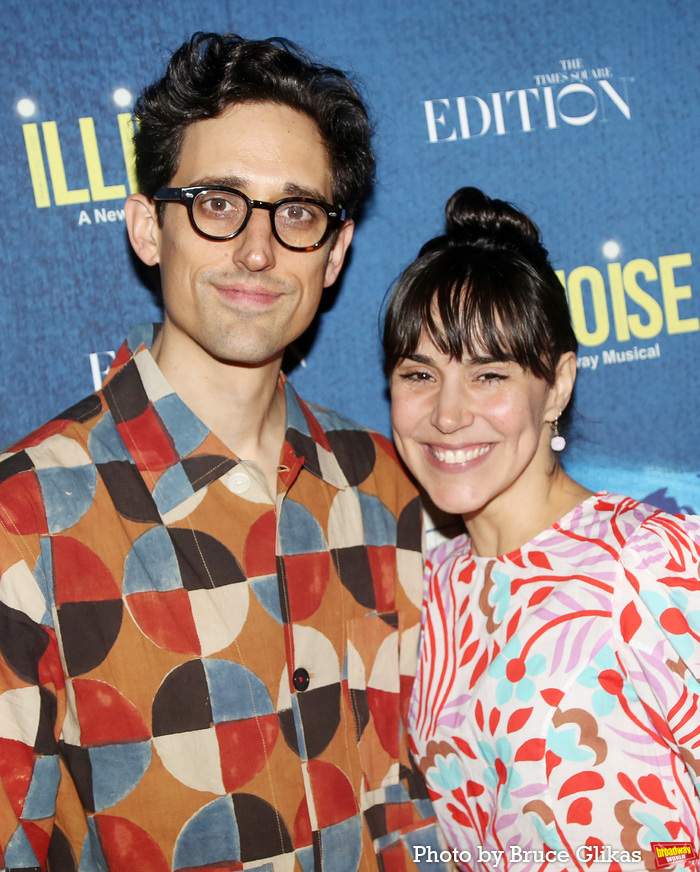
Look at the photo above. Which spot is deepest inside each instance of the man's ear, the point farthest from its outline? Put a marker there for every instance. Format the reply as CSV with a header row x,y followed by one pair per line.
x,y
561,390
142,227
337,252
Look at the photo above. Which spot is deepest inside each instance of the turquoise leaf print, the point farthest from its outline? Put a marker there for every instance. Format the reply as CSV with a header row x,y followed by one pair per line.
x,y
515,674
487,752
549,835
674,616
564,743
449,774
500,775
657,831
603,702
500,595
679,599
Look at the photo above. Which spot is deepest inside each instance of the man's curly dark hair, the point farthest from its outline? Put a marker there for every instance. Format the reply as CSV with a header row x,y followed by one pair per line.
x,y
211,72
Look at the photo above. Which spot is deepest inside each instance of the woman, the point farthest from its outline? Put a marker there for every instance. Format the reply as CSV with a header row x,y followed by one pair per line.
x,y
556,711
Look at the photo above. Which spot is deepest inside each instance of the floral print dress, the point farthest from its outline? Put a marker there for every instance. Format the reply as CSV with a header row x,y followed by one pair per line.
x,y
556,710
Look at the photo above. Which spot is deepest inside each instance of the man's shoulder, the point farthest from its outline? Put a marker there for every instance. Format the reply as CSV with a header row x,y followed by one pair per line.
x,y
48,479
340,430
58,442
329,419
366,458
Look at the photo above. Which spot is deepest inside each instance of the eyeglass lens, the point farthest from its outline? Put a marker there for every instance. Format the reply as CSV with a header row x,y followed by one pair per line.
x,y
222,213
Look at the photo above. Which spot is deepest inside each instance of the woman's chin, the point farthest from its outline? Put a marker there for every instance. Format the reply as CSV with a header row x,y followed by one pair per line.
x,y
452,503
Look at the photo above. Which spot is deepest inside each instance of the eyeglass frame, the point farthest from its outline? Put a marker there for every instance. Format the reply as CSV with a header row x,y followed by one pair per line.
x,y
187,195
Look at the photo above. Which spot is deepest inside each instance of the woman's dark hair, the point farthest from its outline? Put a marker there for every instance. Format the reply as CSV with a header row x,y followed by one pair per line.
x,y
485,287
211,72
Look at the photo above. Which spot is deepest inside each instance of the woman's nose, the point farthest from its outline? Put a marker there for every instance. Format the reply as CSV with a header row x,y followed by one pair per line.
x,y
452,410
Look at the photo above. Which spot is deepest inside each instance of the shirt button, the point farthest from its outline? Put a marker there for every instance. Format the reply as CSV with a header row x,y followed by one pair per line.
x,y
238,483
300,679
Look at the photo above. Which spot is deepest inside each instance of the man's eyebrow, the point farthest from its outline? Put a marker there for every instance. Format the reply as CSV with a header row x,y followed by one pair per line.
x,y
298,191
241,183
237,182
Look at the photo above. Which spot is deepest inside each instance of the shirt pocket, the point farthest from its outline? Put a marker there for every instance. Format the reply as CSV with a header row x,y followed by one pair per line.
x,y
374,690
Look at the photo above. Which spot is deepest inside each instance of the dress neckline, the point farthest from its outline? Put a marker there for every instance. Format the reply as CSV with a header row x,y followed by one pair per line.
x,y
565,521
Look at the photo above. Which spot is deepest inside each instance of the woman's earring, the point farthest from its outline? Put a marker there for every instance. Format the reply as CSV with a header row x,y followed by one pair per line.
x,y
558,442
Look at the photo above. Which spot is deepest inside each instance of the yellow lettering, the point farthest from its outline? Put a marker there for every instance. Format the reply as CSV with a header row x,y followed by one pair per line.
x,y
643,299
619,304
126,130
673,293
62,196
601,329
98,189
36,165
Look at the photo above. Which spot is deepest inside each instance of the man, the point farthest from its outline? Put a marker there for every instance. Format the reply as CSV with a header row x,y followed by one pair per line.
x,y
210,591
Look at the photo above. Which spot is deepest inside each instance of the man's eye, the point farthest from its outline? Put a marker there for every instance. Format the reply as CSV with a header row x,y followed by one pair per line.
x,y
296,212
217,204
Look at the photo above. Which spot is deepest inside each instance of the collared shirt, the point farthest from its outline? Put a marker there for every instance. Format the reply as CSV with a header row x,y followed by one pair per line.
x,y
196,673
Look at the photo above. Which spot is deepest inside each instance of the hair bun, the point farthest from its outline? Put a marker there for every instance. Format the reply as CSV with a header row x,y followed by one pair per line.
x,y
475,219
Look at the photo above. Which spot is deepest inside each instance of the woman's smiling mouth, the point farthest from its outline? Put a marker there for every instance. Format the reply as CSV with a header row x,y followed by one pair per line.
x,y
459,455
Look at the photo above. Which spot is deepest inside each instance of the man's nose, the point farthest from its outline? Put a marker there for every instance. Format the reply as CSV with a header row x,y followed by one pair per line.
x,y
253,248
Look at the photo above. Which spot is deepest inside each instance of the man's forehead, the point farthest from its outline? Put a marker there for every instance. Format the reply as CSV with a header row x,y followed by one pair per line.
x,y
251,141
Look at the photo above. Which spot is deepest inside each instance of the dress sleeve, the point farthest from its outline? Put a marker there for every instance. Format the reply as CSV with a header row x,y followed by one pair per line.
x,y
657,594
32,693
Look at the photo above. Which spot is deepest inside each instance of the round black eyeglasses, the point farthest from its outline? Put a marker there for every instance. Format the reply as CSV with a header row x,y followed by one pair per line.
x,y
220,213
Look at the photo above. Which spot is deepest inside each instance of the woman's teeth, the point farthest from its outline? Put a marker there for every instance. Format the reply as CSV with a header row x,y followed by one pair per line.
x,y
460,455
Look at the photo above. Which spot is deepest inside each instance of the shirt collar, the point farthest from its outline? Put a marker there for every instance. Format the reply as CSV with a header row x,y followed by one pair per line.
x,y
172,448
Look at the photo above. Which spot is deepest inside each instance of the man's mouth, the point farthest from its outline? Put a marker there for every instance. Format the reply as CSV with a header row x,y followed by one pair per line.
x,y
255,295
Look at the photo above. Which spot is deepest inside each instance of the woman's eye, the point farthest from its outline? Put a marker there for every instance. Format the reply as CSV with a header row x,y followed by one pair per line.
x,y
418,376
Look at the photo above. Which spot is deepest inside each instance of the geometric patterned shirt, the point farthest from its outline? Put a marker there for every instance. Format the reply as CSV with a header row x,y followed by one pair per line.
x,y
556,712
195,674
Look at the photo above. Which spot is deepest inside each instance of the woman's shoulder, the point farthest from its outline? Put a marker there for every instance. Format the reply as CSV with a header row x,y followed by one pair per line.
x,y
657,595
631,521
663,544
627,521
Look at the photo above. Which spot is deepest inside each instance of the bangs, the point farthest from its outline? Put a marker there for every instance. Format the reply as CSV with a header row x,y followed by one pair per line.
x,y
479,307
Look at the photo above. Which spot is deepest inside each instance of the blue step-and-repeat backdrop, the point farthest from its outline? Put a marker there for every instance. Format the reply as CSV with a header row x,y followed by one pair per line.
x,y
585,115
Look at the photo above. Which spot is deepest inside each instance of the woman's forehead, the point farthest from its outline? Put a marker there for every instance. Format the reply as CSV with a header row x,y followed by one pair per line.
x,y
428,347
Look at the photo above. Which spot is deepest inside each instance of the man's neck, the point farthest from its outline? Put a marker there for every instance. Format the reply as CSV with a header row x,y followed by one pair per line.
x,y
242,405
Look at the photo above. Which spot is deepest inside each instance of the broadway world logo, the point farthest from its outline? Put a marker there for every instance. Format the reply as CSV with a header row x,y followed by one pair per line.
x,y
667,854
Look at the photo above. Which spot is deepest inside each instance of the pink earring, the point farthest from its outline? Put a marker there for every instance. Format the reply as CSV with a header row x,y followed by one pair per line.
x,y
558,442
